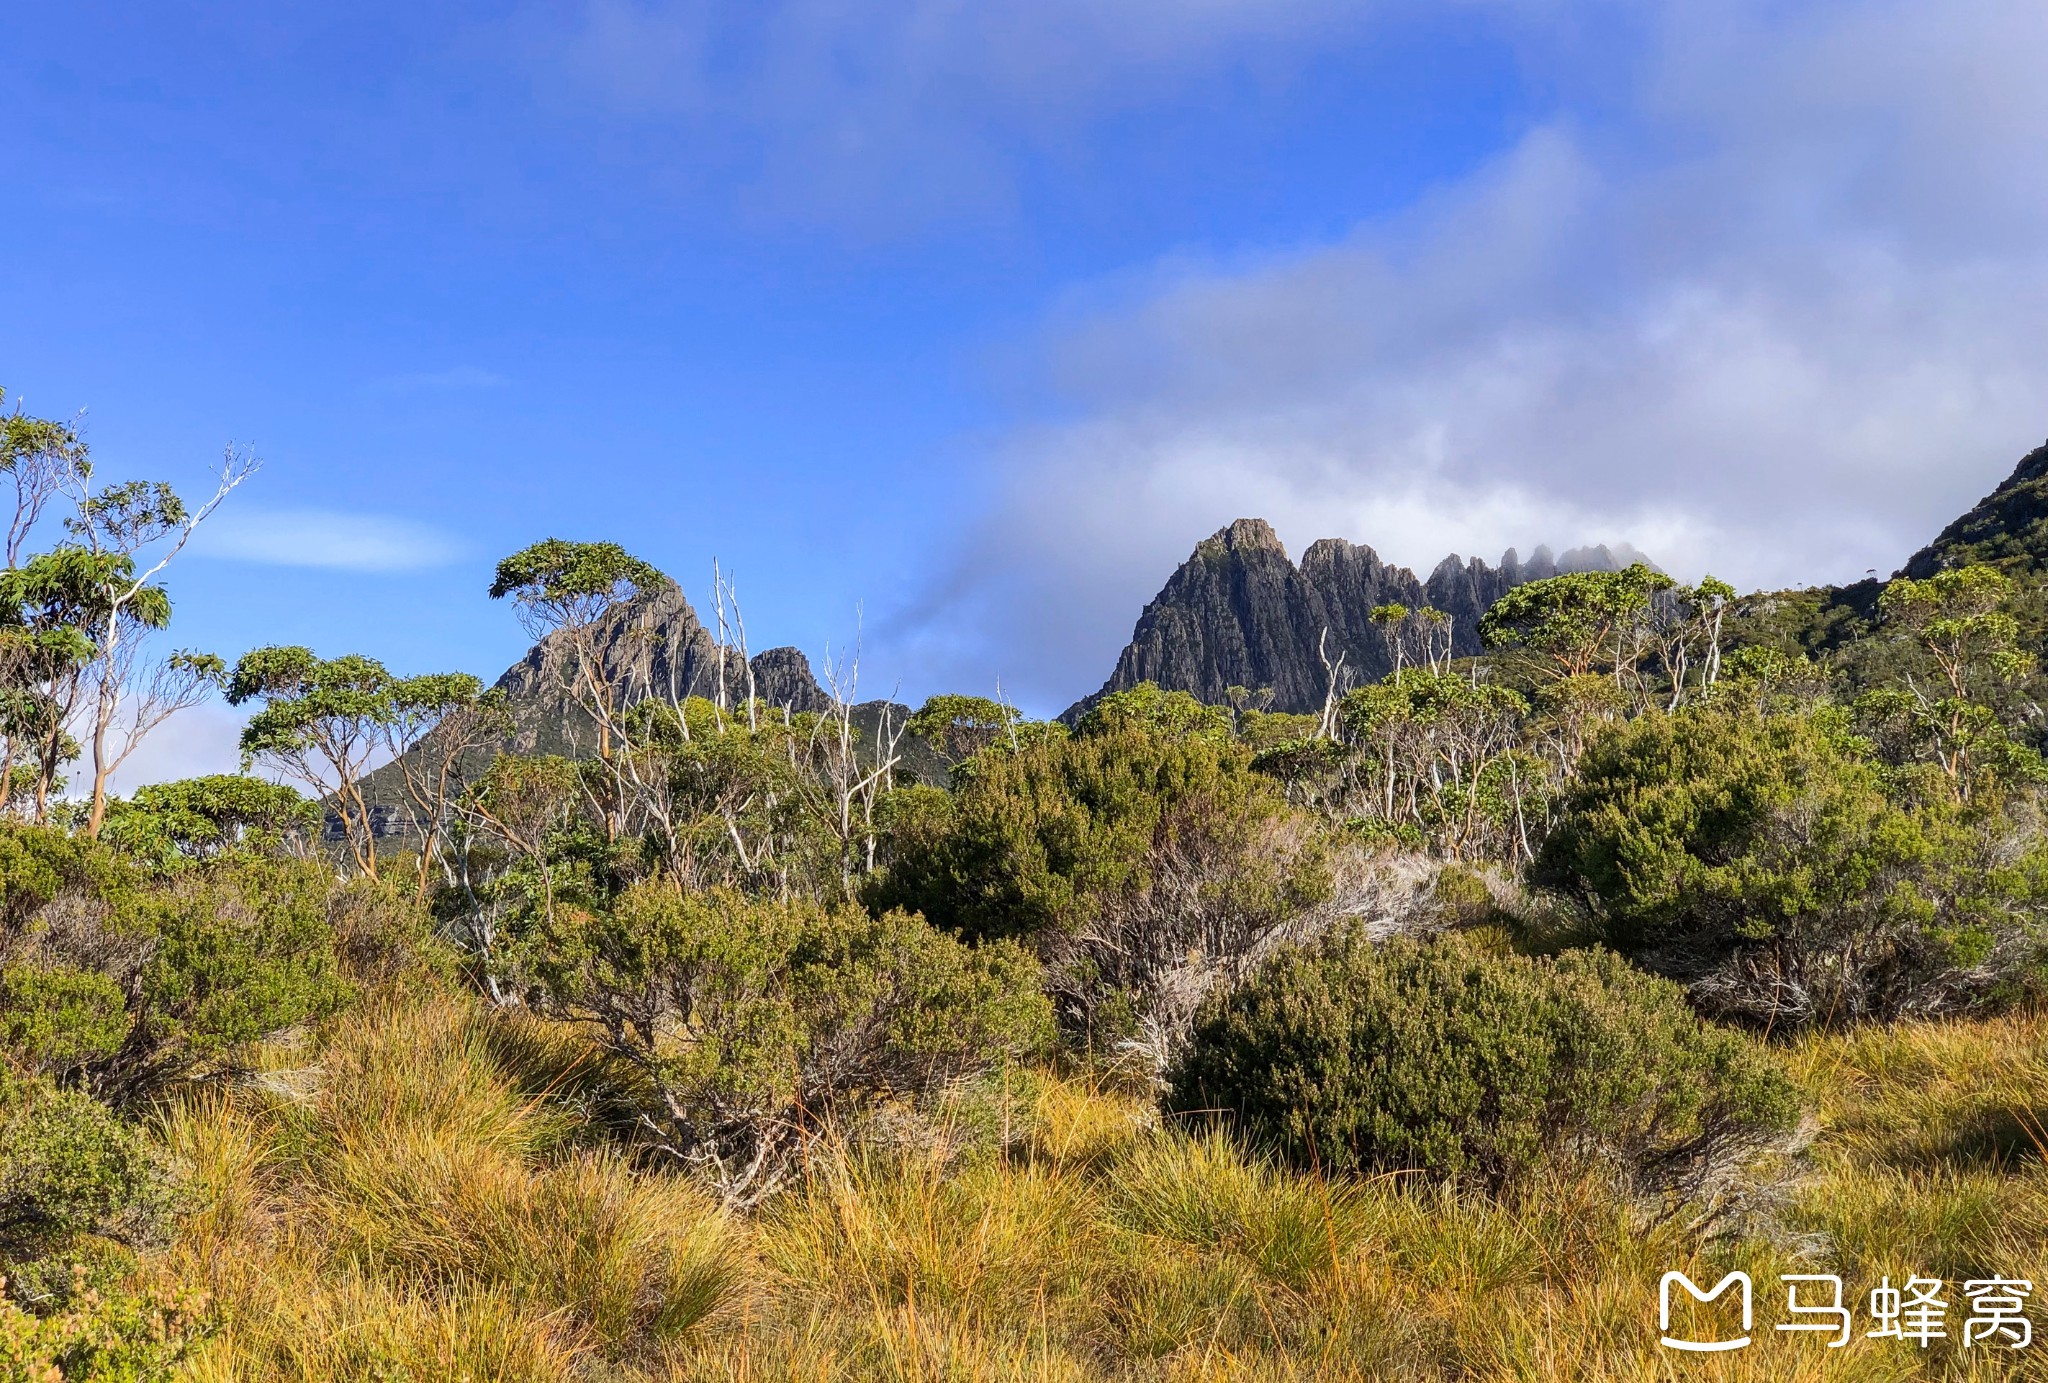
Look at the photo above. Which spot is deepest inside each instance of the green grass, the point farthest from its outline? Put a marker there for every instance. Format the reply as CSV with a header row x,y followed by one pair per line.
x,y
428,1194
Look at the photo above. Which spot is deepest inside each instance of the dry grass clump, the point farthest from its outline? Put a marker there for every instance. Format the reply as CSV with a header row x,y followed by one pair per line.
x,y
417,1211
429,1202
1935,1155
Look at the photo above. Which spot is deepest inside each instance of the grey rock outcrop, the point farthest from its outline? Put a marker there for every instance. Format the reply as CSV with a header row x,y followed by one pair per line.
x,y
1240,613
652,647
783,679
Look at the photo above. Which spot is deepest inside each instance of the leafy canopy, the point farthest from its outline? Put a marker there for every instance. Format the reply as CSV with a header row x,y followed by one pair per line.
x,y
1572,619
172,825
1147,709
304,693
959,727
564,584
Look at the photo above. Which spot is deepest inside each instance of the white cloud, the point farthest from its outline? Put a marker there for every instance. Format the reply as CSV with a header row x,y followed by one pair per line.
x,y
324,538
1780,316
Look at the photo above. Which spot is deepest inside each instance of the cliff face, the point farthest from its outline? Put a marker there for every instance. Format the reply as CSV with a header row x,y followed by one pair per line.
x,y
1239,613
653,647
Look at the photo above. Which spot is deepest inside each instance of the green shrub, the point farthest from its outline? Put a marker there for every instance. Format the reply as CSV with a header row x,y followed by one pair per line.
x,y
70,1174
384,939
1172,715
1759,860
959,727
1433,1057
120,981
39,864
759,1021
100,1335
1143,842
57,1018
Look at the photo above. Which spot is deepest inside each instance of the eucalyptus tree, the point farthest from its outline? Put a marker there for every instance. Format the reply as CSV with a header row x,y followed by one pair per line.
x,y
325,722
47,612
1422,637
565,594
564,591
1437,756
118,528
1579,623
1583,638
1954,708
1685,628
438,725
959,727
321,722
36,455
74,619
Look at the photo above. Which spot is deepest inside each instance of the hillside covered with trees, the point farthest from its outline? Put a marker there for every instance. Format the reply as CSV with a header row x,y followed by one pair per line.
x,y
660,1013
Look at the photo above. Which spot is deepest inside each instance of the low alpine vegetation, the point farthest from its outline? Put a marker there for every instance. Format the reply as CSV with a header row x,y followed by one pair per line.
x,y
664,1015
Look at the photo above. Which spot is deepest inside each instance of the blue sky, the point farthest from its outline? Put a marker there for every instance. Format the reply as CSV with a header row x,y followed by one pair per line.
x,y
958,324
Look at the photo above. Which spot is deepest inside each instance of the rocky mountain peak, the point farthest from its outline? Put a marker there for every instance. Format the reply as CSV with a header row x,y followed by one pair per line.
x,y
1245,536
783,678
1238,612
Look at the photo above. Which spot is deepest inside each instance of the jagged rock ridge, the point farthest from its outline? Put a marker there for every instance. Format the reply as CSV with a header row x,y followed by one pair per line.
x,y
1240,613
651,647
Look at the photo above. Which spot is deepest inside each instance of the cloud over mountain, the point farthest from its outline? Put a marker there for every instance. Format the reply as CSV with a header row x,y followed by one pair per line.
x,y
1774,313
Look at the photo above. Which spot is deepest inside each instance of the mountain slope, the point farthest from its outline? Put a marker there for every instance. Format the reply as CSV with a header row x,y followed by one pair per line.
x,y
2008,527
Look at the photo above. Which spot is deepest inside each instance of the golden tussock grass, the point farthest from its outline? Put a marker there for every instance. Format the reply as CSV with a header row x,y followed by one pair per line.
x,y
430,1195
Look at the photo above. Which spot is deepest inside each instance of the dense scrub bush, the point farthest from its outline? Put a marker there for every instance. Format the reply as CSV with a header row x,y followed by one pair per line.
x,y
121,981
37,865
1432,1056
757,1022
1150,710
1139,845
1760,860
101,1333
74,1181
385,940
